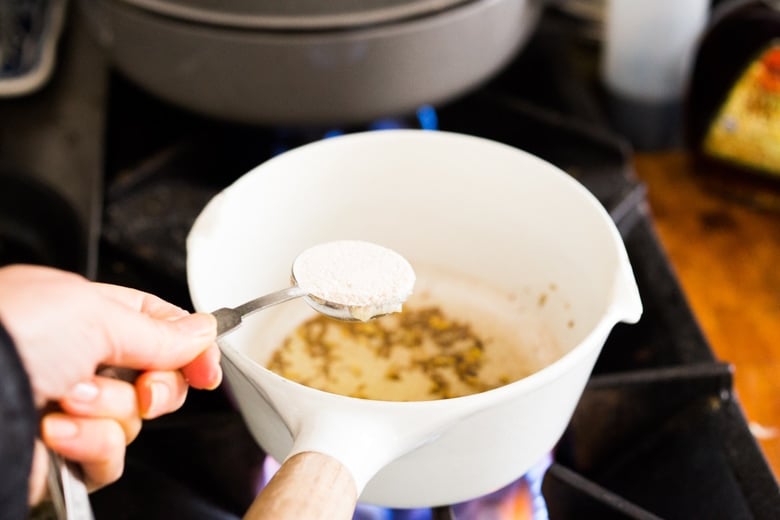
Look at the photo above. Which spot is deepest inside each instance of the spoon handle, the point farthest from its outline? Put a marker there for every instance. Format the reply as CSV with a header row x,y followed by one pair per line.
x,y
230,318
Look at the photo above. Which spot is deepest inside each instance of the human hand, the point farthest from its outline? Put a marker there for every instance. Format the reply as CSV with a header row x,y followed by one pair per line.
x,y
65,327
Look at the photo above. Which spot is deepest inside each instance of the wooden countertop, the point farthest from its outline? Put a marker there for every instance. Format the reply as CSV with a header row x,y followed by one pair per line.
x,y
726,255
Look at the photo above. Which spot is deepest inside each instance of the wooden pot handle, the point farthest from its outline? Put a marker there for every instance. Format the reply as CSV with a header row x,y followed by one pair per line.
x,y
309,485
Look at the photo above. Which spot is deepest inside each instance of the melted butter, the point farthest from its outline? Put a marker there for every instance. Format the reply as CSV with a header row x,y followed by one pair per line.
x,y
454,337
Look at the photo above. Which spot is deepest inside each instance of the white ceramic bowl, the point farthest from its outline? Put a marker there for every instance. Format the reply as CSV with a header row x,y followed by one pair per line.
x,y
468,205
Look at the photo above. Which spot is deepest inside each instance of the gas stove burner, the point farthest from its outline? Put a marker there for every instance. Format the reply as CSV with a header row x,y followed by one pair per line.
x,y
424,118
520,500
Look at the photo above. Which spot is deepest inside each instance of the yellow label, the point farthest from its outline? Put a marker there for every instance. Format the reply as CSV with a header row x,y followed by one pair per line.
x,y
746,130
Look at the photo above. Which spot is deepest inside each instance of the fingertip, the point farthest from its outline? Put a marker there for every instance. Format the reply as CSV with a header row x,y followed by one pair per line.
x,y
204,372
214,379
144,394
217,379
160,393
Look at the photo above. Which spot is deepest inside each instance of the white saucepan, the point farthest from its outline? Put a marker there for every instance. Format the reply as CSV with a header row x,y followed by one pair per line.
x,y
488,212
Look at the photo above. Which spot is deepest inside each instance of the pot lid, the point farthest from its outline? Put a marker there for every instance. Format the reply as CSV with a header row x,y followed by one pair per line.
x,y
294,14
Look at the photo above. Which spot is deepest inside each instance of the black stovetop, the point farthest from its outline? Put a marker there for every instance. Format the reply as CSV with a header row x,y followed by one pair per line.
x,y
658,431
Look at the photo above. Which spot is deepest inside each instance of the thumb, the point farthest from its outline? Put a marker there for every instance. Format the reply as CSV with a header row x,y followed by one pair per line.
x,y
143,342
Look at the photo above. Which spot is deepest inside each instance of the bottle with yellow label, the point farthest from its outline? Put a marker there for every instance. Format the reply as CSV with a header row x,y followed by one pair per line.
x,y
733,103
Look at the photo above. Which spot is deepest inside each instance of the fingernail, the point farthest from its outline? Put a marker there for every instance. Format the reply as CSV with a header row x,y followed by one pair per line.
x,y
215,370
216,378
60,427
85,392
160,396
198,324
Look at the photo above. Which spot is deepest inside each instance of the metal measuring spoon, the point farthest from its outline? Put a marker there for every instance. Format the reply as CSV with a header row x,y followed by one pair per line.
x,y
358,270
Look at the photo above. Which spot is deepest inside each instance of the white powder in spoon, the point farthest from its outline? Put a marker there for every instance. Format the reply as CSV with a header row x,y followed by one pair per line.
x,y
366,278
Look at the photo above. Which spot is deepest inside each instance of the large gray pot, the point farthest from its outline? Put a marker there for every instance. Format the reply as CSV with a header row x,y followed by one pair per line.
x,y
337,67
